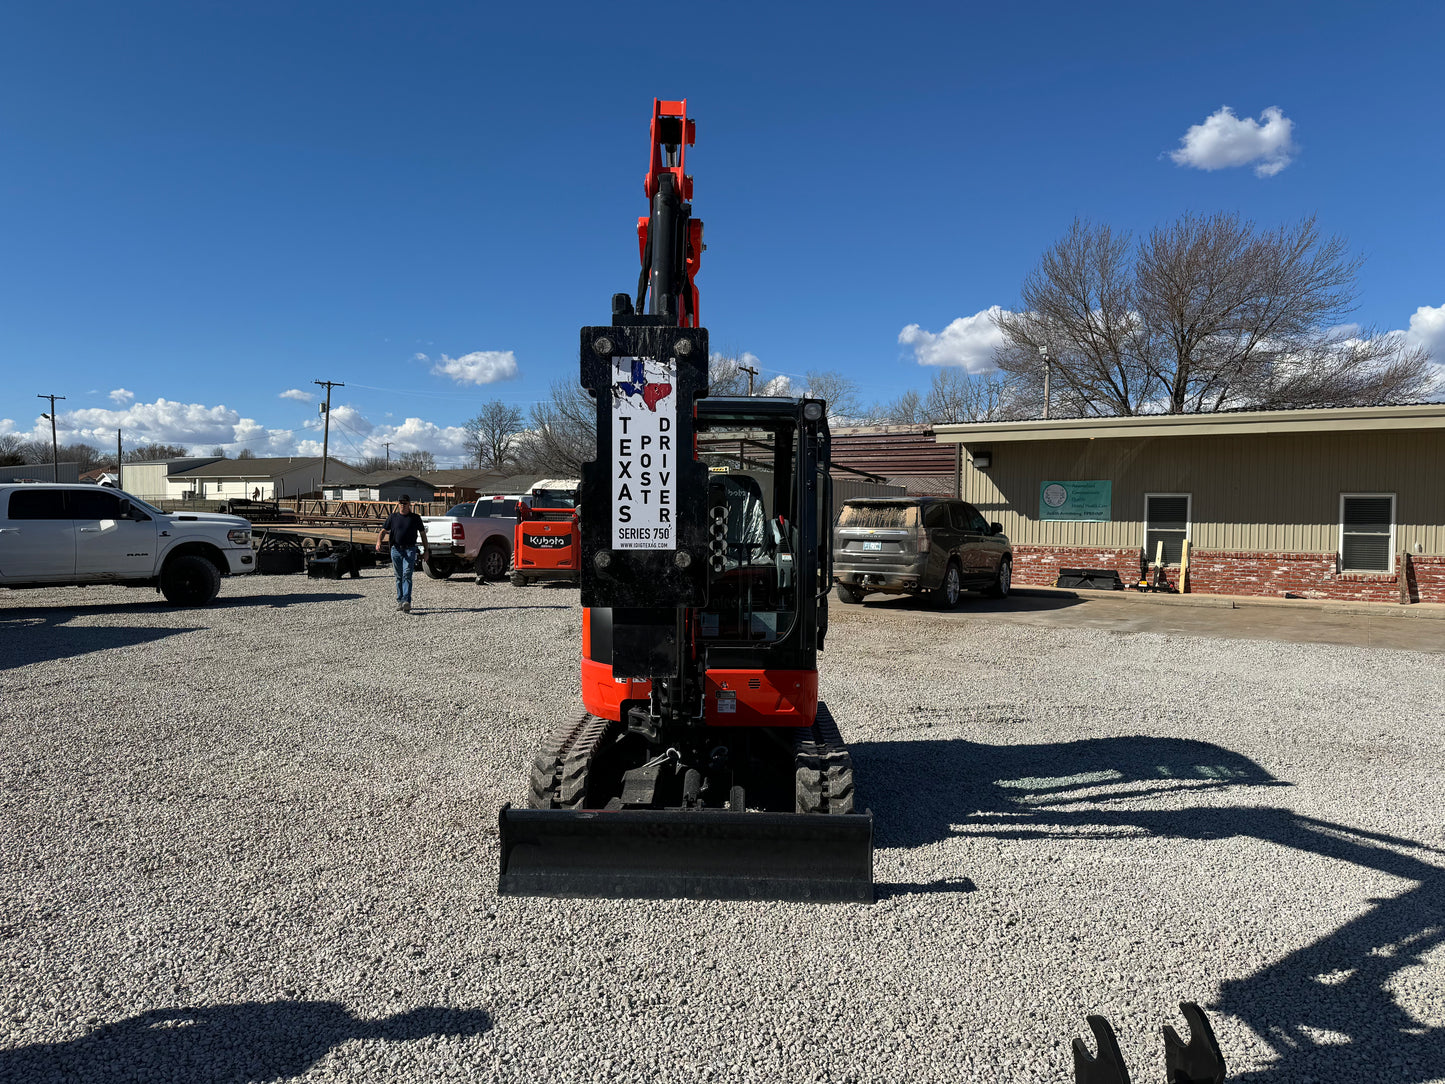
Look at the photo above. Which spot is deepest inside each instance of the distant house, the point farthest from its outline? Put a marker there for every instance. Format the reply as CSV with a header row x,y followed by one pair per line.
x,y
453,486
383,485
101,477
146,478
264,479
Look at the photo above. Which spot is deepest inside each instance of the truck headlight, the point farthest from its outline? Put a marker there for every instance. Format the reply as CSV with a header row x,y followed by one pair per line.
x,y
240,538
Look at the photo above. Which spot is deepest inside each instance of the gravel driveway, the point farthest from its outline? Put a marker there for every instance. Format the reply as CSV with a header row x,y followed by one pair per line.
x,y
258,842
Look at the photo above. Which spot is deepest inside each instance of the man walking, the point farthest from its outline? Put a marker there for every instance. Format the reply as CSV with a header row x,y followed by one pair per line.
x,y
404,526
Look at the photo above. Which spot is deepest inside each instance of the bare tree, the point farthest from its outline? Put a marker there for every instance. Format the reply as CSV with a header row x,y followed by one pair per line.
x,y
418,460
958,396
245,453
839,392
725,375
907,409
12,450
1078,304
371,464
563,432
1248,317
1206,314
141,453
494,434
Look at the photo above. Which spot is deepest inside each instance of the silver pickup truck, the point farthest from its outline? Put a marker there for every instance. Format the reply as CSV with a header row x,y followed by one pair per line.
x,y
476,535
56,535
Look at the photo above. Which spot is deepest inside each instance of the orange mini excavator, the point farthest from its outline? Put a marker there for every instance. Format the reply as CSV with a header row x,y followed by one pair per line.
x,y
704,764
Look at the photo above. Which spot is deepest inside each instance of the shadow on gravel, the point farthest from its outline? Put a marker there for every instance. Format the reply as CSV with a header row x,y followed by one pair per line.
x,y
55,615
1017,602
422,611
26,643
1329,1011
252,1042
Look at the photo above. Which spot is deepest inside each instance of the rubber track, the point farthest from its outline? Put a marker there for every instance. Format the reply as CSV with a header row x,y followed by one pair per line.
x,y
560,769
824,767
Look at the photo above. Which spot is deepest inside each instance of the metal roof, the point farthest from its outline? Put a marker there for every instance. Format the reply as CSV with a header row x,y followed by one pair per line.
x,y
1413,416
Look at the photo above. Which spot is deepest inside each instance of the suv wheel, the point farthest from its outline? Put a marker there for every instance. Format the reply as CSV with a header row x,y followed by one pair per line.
x,y
189,580
1004,581
492,563
849,595
947,594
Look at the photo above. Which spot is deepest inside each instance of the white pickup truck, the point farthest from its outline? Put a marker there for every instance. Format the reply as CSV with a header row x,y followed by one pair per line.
x,y
54,535
476,535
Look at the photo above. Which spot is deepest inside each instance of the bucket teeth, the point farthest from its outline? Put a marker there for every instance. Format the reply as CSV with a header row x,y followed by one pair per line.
x,y
1199,1061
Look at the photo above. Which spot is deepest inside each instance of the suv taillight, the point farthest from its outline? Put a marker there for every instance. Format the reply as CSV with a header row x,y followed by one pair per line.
x,y
458,535
924,545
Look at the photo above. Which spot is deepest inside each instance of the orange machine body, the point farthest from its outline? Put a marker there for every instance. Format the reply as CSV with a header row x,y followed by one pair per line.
x,y
547,544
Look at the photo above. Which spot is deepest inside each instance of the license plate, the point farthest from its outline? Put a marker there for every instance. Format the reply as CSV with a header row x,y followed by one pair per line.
x,y
873,546
547,541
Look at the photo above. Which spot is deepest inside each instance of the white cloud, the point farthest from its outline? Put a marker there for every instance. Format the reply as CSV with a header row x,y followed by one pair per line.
x,y
1224,141
968,342
478,367
1427,329
297,394
121,396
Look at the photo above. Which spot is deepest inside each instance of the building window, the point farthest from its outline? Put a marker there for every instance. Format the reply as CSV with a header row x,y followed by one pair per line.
x,y
1166,519
1367,532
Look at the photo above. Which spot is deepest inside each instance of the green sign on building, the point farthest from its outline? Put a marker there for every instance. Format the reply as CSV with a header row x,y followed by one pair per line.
x,y
1082,502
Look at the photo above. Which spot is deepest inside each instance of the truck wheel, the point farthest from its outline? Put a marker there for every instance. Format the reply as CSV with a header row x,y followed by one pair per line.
x,y
492,562
189,580
438,568
1004,582
947,594
518,580
849,595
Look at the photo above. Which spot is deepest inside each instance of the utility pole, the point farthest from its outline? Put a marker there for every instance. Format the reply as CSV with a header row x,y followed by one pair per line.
x,y
752,372
54,444
388,453
326,428
1048,372
119,460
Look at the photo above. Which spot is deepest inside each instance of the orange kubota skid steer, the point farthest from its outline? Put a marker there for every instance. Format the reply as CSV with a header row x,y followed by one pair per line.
x,y
704,764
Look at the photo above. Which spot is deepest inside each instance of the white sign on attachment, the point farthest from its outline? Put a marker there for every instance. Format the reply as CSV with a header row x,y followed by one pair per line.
x,y
644,454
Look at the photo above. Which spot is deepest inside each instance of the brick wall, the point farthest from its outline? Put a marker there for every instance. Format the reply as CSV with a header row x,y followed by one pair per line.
x,y
1234,572
1040,564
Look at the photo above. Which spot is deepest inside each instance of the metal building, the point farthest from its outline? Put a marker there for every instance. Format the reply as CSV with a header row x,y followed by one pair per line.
x,y
1340,503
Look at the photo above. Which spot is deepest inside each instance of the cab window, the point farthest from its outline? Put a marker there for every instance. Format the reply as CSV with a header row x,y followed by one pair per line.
x,y
976,522
936,516
97,505
38,504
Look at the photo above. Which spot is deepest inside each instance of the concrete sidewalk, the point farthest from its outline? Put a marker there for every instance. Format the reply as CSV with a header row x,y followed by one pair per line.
x,y
1302,621
1423,610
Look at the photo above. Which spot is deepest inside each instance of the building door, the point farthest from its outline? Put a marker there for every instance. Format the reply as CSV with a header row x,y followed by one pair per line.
x,y
37,537
108,546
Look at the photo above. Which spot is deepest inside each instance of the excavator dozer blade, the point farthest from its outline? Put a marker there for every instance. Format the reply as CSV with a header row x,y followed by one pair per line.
x,y
662,854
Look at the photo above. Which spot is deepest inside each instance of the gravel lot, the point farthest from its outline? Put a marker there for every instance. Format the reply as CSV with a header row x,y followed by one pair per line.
x,y
257,842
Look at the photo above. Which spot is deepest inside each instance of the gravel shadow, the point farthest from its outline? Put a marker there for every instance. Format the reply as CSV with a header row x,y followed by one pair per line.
x,y
969,782
222,1044
148,604
26,643
1327,1010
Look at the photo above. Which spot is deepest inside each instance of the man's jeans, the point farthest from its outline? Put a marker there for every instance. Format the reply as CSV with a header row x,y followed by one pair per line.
x,y
403,564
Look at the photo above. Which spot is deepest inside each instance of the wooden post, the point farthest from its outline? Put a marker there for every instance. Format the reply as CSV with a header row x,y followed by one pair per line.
x,y
1404,570
1184,567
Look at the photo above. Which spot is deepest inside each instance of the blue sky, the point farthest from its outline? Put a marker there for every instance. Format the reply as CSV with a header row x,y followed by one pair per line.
x,y
206,205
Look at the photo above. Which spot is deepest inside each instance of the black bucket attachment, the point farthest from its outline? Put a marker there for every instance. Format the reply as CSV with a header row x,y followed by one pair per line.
x,y
668,854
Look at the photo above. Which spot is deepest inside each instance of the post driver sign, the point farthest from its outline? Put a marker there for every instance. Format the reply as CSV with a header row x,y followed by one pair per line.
x,y
644,456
